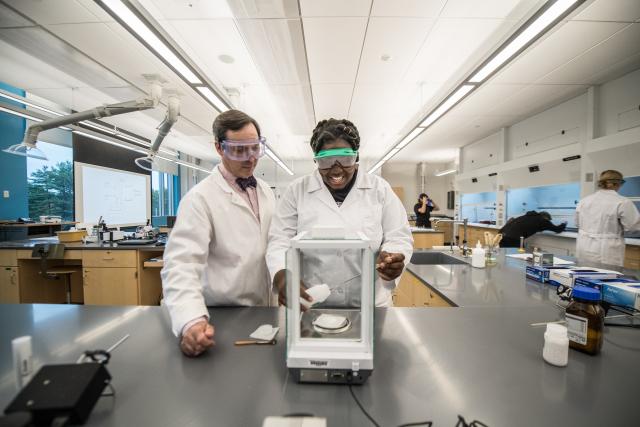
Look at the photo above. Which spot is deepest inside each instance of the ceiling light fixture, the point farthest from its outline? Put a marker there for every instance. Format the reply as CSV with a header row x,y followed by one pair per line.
x,y
446,105
135,24
140,25
21,100
542,21
445,172
407,139
528,33
212,98
19,114
376,166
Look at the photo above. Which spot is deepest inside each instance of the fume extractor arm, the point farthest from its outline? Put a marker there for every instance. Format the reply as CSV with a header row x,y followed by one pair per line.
x,y
28,146
173,111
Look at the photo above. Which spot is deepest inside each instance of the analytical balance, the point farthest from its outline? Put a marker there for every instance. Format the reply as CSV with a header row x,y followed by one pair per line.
x,y
331,341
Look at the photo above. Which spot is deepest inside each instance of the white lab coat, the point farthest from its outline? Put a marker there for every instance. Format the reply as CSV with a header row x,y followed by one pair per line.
x,y
602,219
370,207
215,252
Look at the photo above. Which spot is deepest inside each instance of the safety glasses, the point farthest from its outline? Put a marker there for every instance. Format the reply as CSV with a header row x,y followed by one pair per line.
x,y
244,150
344,157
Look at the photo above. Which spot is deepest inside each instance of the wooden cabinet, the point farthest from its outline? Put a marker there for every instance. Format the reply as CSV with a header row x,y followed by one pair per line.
x,y
110,286
9,280
632,257
411,292
110,277
109,259
8,257
9,288
445,227
427,240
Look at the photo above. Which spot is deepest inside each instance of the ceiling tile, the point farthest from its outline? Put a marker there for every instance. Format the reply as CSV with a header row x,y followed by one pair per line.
x,y
611,10
569,41
622,45
43,12
267,9
410,8
188,9
500,9
534,97
381,112
204,41
615,70
449,46
310,8
399,38
295,106
49,49
333,55
331,100
481,99
277,49
9,18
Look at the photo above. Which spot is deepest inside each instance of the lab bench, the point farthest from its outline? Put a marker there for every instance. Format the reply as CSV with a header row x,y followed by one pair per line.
x,y
105,274
426,238
484,363
557,243
460,285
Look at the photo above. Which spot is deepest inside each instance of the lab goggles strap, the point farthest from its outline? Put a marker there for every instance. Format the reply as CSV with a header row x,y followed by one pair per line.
x,y
344,156
244,150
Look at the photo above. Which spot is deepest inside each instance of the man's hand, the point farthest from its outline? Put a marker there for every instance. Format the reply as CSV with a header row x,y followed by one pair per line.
x,y
389,265
279,283
197,339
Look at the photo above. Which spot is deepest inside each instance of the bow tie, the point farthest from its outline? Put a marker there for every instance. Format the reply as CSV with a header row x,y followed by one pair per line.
x,y
246,182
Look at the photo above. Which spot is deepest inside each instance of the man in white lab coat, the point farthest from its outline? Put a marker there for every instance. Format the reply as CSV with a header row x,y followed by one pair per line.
x,y
215,252
339,194
602,218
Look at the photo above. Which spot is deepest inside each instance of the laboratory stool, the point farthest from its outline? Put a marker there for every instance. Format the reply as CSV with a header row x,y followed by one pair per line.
x,y
54,251
56,273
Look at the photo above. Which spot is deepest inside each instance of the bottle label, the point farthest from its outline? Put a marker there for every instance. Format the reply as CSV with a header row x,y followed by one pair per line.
x,y
577,329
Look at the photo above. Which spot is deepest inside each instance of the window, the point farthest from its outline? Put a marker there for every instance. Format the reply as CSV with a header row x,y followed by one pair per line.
x,y
50,182
559,200
164,196
479,207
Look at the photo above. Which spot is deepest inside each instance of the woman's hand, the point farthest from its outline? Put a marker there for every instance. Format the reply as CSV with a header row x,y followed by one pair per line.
x,y
389,265
279,282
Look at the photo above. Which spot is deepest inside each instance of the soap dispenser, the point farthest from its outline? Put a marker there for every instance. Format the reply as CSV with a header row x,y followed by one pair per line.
x,y
478,256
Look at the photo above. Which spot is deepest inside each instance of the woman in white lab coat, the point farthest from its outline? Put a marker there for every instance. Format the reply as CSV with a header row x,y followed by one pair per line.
x,y
602,218
338,194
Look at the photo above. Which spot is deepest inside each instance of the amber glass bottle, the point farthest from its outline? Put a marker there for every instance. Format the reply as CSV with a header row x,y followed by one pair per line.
x,y
585,320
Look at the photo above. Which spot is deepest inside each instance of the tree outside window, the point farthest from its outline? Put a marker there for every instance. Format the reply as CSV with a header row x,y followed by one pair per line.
x,y
50,183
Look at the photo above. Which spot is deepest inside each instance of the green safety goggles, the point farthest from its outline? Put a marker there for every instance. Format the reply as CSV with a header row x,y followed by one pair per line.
x,y
345,157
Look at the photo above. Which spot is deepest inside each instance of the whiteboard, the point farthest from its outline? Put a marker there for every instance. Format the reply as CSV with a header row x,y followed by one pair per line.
x,y
121,198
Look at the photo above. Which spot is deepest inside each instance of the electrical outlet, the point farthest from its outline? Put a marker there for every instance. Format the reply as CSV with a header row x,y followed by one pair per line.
x,y
5,194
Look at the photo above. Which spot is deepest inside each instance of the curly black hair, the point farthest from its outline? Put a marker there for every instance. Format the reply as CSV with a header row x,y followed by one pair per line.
x,y
332,129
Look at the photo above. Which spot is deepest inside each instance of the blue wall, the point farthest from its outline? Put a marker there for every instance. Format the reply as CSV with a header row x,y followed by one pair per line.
x,y
13,169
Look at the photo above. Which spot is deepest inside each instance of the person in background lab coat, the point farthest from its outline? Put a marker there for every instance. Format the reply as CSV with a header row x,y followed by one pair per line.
x,y
602,218
215,253
339,194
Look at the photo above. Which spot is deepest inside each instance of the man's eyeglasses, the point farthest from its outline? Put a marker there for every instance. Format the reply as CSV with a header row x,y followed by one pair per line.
x,y
244,150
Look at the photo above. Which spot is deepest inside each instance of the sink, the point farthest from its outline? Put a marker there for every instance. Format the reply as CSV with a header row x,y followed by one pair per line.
x,y
434,258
